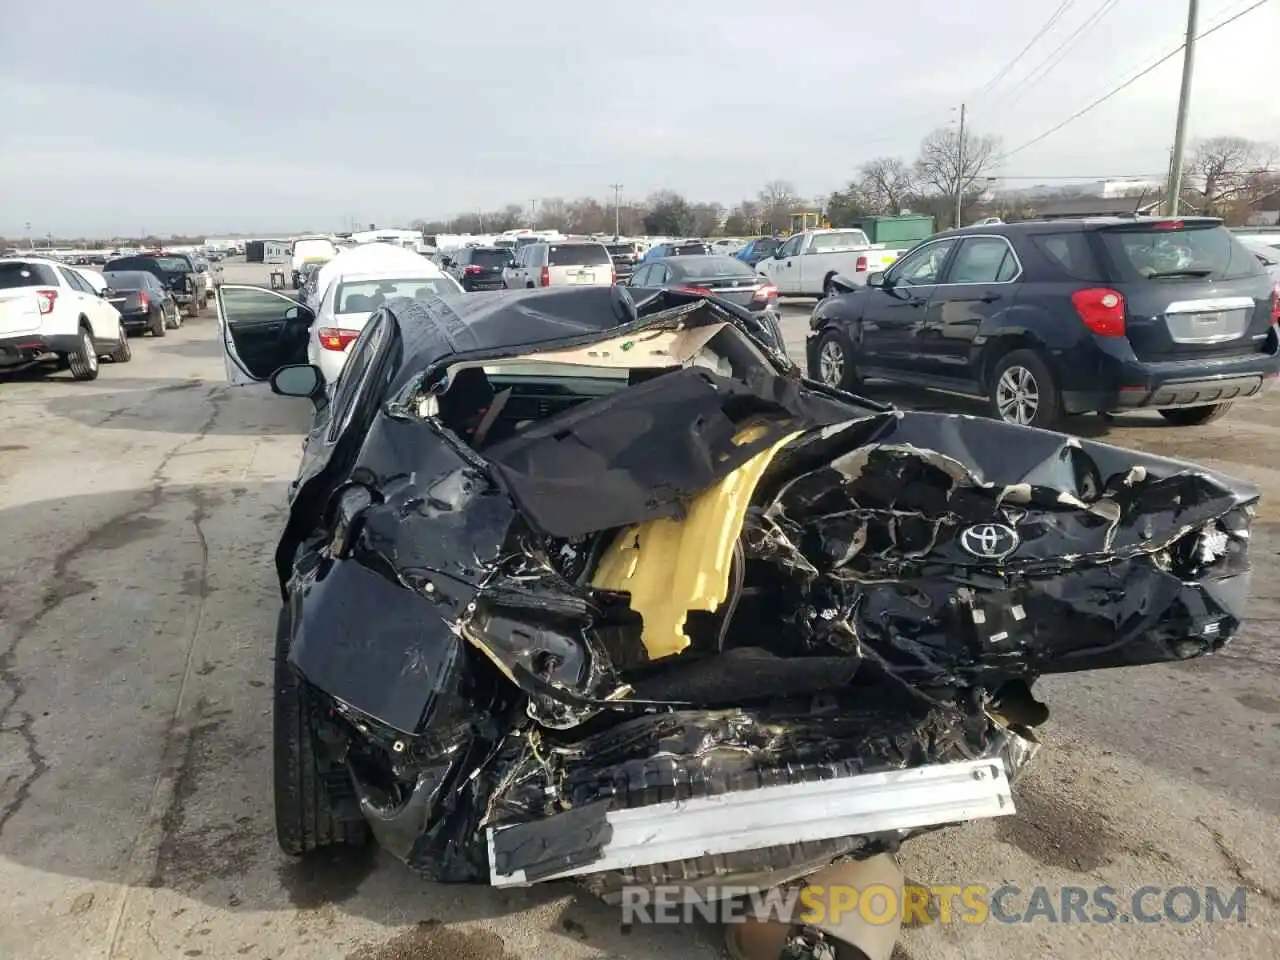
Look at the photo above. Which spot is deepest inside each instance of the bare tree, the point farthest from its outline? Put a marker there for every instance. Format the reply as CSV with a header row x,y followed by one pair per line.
x,y
707,218
778,200
1232,170
886,185
952,168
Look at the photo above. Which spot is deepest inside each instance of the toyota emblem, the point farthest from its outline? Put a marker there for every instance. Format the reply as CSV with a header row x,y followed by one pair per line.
x,y
989,541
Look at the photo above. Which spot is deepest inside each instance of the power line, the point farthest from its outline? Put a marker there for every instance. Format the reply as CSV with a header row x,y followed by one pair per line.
x,y
1045,67
1048,25
1136,77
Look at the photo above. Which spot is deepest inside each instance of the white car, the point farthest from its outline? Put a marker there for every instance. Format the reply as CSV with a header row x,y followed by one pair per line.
x,y
348,302
309,250
559,264
94,278
49,311
352,286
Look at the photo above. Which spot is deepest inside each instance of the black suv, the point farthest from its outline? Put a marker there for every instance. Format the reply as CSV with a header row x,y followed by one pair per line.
x,y
477,268
1047,318
174,271
625,255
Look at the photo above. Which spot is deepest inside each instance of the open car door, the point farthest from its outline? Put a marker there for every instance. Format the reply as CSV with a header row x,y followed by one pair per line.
x,y
261,330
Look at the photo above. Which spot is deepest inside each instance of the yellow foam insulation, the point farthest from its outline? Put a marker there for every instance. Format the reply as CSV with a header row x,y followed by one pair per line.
x,y
672,566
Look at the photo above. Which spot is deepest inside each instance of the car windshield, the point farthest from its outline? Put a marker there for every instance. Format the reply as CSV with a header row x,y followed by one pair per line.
x,y
365,296
703,268
621,249
578,255
840,240
490,257
127,280
690,250
1209,252
25,275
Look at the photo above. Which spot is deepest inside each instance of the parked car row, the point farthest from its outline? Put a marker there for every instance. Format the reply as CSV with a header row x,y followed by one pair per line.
x,y
57,316
1050,318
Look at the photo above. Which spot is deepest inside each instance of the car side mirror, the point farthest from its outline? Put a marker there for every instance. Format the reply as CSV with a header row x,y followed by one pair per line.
x,y
298,380
877,279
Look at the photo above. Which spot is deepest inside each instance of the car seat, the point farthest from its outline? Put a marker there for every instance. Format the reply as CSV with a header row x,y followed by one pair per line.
x,y
465,401
357,303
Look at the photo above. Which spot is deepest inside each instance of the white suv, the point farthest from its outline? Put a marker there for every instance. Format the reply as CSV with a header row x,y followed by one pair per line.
x,y
560,264
48,311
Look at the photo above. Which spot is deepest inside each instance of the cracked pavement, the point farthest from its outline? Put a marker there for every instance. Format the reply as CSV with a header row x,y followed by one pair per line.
x,y
137,604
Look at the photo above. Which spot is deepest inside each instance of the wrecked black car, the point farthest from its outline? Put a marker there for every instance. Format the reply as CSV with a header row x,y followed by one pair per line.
x,y
580,586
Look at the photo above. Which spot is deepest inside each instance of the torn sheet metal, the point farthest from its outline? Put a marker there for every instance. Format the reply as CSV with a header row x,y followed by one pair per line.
x,y
835,591
671,566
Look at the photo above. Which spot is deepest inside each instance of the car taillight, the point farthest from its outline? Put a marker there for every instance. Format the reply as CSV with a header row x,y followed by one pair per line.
x,y
613,275
860,265
1275,304
335,338
767,292
47,299
472,268
700,291
1101,309
1168,225
143,302
544,278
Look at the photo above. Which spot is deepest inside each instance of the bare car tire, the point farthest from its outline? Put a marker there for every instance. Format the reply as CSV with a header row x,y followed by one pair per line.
x,y
122,353
174,322
1195,416
1023,390
836,367
84,362
158,324
304,821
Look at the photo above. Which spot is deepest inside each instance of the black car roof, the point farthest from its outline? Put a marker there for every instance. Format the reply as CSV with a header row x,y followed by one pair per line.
x,y
1066,225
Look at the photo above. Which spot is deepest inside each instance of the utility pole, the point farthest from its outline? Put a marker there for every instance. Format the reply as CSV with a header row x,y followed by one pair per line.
x,y
617,209
533,214
960,167
1184,103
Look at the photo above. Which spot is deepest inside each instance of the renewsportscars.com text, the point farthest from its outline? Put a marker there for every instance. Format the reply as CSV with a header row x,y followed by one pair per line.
x,y
938,903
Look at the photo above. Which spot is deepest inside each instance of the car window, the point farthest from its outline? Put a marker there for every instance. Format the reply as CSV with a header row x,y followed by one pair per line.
x,y
641,277
922,266
789,248
355,374
983,260
841,240
1071,253
578,255
1210,252
18,274
365,296
489,257
72,279
713,266
661,275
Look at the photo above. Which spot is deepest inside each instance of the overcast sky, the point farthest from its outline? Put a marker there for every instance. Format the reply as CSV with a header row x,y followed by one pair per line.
x,y
231,115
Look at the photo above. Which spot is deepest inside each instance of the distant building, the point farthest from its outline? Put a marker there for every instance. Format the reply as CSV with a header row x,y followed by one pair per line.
x,y
267,251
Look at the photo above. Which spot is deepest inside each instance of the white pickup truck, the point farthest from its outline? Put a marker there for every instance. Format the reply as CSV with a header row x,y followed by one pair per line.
x,y
805,264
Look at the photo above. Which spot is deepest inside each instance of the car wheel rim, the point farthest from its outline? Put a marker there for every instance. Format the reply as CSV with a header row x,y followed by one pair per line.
x,y
831,363
90,355
1017,396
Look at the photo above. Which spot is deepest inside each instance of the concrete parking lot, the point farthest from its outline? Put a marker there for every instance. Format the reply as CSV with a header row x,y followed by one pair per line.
x,y
137,606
